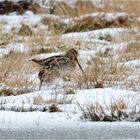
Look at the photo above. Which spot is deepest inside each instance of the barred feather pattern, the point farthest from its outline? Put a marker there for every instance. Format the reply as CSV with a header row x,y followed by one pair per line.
x,y
53,66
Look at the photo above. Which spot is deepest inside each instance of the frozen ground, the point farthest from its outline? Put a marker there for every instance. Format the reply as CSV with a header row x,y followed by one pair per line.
x,y
69,123
28,115
70,110
84,130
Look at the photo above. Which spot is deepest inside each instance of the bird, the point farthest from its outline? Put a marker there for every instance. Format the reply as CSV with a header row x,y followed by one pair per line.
x,y
53,66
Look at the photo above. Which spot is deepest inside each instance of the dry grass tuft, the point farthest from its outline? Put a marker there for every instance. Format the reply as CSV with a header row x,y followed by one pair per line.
x,y
126,6
131,52
102,72
69,91
53,104
6,92
13,70
119,105
25,30
40,50
95,112
114,112
54,108
85,7
6,38
55,25
40,101
88,22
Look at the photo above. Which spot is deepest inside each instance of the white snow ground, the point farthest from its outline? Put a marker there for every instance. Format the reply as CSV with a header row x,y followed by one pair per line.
x,y
71,114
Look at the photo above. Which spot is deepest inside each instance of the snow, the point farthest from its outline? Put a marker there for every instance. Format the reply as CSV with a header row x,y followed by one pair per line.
x,y
34,119
71,3
4,52
91,38
20,111
98,4
104,96
133,64
42,120
42,56
13,47
70,115
18,47
14,21
93,34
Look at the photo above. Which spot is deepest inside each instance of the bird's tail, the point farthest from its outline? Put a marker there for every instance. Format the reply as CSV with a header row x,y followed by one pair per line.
x,y
36,61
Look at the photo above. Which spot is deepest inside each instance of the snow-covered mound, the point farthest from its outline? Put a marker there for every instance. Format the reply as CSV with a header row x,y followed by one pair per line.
x,y
105,97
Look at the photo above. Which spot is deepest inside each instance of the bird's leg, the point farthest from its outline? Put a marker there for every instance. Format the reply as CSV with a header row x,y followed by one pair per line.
x,y
41,76
80,66
40,85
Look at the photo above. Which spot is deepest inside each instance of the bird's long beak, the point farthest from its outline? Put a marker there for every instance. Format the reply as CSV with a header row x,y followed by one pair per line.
x,y
80,66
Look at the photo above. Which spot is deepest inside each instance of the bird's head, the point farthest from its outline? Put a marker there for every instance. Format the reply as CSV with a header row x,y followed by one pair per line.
x,y
72,53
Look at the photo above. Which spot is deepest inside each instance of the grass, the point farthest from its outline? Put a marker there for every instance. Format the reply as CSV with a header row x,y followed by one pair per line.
x,y
40,51
6,38
117,111
85,7
54,100
12,73
102,72
37,104
95,112
69,91
56,25
38,100
25,30
130,6
131,52
6,92
88,23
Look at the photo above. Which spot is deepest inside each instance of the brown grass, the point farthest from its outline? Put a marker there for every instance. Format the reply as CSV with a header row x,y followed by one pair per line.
x,y
97,112
127,6
6,92
6,38
102,73
55,25
99,22
131,52
12,73
85,7
25,30
40,101
88,23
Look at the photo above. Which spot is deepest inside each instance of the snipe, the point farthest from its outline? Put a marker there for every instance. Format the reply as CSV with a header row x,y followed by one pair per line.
x,y
52,67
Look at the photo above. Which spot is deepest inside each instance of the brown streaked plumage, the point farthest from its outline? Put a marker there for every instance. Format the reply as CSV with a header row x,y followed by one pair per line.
x,y
53,66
